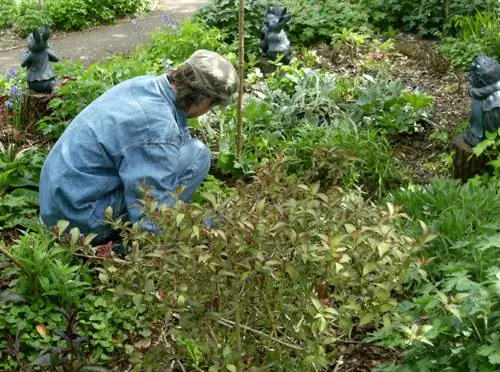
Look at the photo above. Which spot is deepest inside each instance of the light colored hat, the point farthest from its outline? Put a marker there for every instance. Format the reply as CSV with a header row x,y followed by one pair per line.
x,y
215,75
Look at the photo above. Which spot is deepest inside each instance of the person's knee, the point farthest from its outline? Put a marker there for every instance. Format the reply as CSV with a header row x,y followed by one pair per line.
x,y
201,156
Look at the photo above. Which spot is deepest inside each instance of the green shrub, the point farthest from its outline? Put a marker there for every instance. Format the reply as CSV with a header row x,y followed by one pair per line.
x,y
8,11
472,35
67,15
31,17
224,15
455,211
382,103
316,21
73,15
19,175
426,17
453,317
285,271
311,22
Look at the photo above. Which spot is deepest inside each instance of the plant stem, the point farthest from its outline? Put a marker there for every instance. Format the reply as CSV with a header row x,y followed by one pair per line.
x,y
237,329
241,55
229,323
12,258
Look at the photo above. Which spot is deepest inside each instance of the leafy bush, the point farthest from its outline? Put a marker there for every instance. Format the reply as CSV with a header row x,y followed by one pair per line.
x,y
19,174
472,35
454,309
31,17
224,15
344,156
285,272
73,15
311,22
67,15
316,21
8,10
47,276
386,104
426,17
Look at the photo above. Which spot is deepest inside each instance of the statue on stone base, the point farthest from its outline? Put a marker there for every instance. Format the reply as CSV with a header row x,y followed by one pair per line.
x,y
41,77
484,90
274,42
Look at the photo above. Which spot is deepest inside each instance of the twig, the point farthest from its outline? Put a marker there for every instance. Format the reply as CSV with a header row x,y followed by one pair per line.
x,y
117,260
180,365
351,342
12,258
231,324
340,361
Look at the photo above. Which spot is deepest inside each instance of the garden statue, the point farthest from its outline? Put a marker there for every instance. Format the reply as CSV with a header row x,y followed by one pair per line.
x,y
484,90
41,77
274,42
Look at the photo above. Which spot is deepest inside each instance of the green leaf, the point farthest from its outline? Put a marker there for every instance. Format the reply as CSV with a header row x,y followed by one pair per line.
x,y
382,248
494,358
366,319
75,235
62,225
317,304
149,286
179,218
369,267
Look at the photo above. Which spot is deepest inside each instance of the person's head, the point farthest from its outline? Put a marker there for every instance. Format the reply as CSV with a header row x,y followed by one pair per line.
x,y
203,81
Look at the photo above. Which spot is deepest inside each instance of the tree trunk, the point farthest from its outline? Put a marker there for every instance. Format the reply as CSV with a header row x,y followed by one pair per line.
x,y
33,108
465,164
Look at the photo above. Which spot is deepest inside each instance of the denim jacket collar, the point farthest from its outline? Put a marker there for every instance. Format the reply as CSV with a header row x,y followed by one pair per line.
x,y
170,95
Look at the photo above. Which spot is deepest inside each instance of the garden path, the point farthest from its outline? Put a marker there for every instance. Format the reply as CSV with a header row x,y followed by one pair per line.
x,y
121,38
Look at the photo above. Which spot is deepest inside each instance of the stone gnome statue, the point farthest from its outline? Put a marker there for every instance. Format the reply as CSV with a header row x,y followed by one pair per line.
x,y
484,89
274,42
41,77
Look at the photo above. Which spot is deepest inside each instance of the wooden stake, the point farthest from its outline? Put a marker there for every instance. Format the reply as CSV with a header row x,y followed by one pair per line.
x,y
241,53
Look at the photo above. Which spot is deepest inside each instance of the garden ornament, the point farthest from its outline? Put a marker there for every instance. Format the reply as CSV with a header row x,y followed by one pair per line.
x,y
41,77
274,42
484,89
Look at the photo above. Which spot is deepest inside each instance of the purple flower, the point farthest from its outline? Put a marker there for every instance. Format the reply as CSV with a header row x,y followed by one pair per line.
x,y
9,104
11,74
167,20
14,91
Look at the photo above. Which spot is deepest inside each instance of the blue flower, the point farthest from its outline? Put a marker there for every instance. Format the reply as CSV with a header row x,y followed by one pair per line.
x,y
166,19
11,74
9,104
14,91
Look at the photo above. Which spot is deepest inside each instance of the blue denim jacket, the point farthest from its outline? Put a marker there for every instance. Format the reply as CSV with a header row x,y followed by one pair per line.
x,y
130,134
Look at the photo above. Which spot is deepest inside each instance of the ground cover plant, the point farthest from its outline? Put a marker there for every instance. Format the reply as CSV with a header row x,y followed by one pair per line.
x,y
340,240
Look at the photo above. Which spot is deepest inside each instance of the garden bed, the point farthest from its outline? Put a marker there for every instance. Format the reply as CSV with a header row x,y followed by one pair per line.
x,y
341,241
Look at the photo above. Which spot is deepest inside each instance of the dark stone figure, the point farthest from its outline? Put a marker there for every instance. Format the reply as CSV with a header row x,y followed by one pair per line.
x,y
273,40
41,77
484,90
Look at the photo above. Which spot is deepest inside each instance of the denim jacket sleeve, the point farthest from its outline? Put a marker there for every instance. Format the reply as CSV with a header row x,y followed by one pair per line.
x,y
153,165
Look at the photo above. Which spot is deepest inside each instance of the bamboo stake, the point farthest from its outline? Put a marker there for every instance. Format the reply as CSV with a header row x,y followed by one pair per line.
x,y
241,54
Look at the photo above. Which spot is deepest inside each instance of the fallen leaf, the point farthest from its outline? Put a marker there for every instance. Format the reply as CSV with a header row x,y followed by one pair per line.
x,y
143,344
42,330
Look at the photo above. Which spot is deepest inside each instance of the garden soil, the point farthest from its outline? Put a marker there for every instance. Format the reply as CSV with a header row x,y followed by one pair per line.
x,y
94,44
